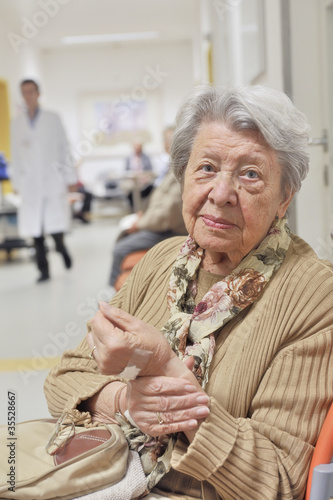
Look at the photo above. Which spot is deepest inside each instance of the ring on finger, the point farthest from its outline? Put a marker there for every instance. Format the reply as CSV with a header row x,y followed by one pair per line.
x,y
159,418
91,355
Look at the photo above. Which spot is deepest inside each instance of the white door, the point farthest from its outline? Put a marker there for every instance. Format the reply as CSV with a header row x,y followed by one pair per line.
x,y
327,45
311,23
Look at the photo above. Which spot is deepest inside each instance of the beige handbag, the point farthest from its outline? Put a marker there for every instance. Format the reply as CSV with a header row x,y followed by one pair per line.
x,y
45,460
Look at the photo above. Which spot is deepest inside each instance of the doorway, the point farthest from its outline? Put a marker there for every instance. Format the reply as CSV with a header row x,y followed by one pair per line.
x,y
311,25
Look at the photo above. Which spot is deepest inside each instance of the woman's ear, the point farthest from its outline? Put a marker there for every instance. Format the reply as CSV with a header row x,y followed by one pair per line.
x,y
283,207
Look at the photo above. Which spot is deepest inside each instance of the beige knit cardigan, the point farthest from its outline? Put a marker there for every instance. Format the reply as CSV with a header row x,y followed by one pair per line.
x,y
270,382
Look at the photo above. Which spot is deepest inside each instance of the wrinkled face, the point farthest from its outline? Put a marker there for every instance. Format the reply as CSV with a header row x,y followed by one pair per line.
x,y
30,95
231,192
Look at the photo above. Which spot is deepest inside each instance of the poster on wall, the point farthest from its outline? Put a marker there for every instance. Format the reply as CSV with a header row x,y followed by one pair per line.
x,y
119,118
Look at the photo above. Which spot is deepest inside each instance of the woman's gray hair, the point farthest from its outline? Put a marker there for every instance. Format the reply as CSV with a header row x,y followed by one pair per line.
x,y
260,108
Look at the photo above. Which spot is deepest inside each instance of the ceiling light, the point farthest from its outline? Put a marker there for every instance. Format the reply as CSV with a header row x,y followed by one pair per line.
x,y
110,37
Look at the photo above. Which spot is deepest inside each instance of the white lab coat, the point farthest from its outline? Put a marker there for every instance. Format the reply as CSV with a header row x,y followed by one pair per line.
x,y
41,171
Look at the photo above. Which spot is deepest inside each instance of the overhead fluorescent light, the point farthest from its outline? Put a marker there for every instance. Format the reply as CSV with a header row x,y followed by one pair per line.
x,y
110,37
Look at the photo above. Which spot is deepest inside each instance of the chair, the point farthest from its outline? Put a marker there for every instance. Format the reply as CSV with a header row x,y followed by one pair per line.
x,y
320,479
126,267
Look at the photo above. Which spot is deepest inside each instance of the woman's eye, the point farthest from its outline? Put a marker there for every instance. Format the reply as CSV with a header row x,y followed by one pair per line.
x,y
251,174
207,168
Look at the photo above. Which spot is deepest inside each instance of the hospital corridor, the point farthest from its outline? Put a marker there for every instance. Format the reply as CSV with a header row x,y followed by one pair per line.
x,y
166,171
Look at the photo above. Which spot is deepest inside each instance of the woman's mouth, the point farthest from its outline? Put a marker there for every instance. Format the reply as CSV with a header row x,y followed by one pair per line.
x,y
217,222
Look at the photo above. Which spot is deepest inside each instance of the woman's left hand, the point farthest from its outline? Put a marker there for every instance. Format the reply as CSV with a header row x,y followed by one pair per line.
x,y
166,405
120,339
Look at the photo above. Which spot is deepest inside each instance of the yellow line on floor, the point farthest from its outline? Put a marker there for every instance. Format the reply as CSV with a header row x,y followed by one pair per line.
x,y
39,364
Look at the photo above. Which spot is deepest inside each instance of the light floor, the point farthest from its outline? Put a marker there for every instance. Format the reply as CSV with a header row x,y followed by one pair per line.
x,y
39,321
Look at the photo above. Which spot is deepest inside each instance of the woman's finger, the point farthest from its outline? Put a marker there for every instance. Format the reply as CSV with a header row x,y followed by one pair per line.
x,y
95,347
105,330
162,385
189,362
171,428
178,416
117,316
157,423
90,340
114,347
175,407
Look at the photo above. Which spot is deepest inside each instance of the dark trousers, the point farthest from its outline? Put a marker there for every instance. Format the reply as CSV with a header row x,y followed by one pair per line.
x,y
87,199
141,240
40,248
144,194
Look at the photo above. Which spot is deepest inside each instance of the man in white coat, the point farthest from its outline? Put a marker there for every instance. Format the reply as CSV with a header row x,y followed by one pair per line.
x,y
42,174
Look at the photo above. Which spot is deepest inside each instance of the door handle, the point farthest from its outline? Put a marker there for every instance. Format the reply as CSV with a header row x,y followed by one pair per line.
x,y
326,176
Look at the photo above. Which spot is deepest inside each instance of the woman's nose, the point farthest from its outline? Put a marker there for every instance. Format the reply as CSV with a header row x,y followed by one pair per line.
x,y
223,191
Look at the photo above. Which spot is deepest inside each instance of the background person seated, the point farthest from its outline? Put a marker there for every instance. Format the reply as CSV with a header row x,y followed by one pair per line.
x,y
162,219
139,161
83,214
84,210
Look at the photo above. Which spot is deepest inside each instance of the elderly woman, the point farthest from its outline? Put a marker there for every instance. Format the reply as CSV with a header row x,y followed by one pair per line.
x,y
226,335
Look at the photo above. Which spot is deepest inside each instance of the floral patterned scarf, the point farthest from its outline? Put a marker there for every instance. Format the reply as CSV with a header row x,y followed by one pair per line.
x,y
190,330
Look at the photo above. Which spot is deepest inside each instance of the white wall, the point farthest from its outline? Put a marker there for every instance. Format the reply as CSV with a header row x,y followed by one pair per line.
x,y
15,66
71,73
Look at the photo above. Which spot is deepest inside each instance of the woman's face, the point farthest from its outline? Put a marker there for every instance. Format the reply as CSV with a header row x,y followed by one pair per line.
x,y
231,194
